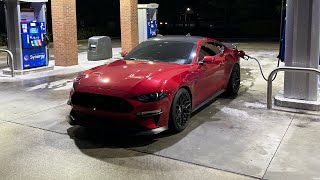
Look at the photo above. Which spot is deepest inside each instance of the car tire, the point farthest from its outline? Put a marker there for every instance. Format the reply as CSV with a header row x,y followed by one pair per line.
x,y
180,111
234,81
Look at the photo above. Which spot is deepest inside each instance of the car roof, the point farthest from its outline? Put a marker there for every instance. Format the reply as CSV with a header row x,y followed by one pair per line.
x,y
189,39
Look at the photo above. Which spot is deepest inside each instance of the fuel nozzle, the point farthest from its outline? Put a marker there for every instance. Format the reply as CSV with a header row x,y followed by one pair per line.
x,y
242,54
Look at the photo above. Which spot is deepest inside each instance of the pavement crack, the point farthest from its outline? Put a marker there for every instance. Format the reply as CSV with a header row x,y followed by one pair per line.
x,y
195,164
38,128
274,154
4,122
37,112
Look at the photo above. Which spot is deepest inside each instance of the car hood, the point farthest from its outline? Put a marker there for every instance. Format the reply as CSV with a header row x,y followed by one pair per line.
x,y
137,76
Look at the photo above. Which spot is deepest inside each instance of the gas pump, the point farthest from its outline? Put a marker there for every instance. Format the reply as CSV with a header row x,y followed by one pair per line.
x,y
34,50
26,28
147,21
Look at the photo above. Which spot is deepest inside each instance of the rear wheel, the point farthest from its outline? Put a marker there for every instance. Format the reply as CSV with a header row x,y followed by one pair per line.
x,y
180,111
234,81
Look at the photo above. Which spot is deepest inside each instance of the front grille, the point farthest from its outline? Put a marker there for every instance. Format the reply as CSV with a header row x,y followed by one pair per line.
x,y
110,124
101,102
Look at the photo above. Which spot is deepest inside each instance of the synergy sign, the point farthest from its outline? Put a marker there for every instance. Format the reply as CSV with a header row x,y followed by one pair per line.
x,y
37,56
34,60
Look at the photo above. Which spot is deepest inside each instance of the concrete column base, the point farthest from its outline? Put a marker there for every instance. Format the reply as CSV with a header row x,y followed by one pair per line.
x,y
281,101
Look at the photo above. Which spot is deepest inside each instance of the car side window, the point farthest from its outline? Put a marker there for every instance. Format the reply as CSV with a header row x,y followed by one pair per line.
x,y
206,50
216,47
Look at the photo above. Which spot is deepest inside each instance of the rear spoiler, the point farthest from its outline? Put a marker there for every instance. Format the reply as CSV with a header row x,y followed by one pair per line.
x,y
230,45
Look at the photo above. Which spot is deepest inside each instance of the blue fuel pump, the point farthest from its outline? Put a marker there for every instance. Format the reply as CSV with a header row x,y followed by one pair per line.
x,y
34,52
152,28
147,21
26,30
283,42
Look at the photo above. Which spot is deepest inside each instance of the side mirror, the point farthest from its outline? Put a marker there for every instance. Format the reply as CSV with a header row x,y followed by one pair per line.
x,y
241,54
208,59
124,53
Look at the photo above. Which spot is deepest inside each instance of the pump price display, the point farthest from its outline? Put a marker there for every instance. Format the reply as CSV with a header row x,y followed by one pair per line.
x,y
34,30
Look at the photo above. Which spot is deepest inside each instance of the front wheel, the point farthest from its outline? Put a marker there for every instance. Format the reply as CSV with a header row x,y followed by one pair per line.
x,y
180,111
234,81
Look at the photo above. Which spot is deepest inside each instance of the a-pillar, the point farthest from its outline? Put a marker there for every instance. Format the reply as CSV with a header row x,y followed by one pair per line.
x,y
64,26
129,24
302,50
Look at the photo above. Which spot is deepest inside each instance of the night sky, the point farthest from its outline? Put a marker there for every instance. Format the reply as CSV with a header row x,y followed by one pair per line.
x,y
213,18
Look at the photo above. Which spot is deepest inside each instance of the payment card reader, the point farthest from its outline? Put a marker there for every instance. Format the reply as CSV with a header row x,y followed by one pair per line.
x,y
34,51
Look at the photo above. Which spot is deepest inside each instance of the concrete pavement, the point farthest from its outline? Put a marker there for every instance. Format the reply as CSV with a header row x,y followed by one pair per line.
x,y
231,138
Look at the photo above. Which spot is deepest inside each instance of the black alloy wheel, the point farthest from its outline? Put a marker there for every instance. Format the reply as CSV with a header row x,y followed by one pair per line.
x,y
234,82
180,111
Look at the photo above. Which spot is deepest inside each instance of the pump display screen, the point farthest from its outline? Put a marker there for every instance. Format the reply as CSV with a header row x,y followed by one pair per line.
x,y
34,30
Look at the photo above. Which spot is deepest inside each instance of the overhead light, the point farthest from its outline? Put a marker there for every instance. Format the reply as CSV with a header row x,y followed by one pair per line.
x,y
161,23
166,23
188,9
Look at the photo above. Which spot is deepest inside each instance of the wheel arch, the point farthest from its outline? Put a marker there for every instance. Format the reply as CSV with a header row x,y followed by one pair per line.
x,y
189,91
235,64
187,88
171,123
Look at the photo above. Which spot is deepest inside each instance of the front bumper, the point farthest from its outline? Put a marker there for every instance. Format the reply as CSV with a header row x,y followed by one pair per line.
x,y
149,115
123,127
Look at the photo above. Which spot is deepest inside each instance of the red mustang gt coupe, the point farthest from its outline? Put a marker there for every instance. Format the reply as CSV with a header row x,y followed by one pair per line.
x,y
157,85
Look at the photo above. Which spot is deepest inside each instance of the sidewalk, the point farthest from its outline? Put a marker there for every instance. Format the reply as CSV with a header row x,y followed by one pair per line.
x,y
82,47
84,64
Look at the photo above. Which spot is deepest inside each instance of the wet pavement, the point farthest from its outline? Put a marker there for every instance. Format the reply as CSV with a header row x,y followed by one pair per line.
x,y
230,138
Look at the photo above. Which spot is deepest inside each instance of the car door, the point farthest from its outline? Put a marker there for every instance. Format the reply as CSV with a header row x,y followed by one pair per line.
x,y
206,83
220,61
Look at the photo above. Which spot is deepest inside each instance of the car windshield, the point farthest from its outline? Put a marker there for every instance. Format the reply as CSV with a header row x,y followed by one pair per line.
x,y
164,51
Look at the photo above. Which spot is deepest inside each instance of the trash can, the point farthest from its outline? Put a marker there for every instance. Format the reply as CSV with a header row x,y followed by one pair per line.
x,y
99,48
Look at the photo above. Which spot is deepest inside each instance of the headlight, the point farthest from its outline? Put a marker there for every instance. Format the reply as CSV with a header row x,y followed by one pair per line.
x,y
152,97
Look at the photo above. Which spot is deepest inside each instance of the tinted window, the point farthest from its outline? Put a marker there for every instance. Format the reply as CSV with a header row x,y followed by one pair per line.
x,y
206,50
165,51
218,48
210,49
